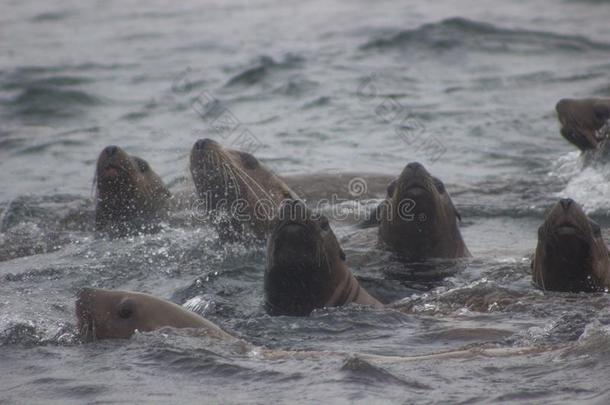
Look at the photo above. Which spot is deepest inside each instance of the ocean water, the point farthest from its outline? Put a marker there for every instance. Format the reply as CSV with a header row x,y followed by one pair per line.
x,y
467,88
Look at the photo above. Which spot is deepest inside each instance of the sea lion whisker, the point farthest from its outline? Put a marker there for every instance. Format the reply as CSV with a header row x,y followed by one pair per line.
x,y
231,179
226,176
93,184
265,193
93,329
236,175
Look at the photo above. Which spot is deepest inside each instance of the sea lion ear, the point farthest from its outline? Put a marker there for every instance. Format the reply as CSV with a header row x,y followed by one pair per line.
x,y
597,231
457,214
342,254
391,188
249,160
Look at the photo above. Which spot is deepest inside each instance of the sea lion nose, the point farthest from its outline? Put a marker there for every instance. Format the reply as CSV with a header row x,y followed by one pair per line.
x,y
293,210
111,150
415,166
203,143
566,203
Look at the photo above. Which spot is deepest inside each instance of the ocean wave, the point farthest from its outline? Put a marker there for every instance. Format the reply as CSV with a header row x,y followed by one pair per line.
x,y
51,101
457,33
264,67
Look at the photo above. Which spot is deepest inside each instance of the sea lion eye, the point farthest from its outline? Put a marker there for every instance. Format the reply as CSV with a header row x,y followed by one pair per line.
x,y
439,186
602,112
142,164
126,309
391,188
249,161
323,222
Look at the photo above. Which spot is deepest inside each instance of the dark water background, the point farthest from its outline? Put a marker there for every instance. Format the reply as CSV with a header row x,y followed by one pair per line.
x,y
317,86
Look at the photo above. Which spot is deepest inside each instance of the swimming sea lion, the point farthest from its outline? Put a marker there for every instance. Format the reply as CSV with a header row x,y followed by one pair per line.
x,y
306,266
105,314
571,254
418,219
130,196
237,184
584,122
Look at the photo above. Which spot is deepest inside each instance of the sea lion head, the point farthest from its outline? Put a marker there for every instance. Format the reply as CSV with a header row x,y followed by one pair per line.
x,y
584,122
106,314
571,254
418,218
236,182
129,194
305,262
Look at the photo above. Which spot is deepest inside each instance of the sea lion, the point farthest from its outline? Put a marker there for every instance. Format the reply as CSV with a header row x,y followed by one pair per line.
x,y
306,267
571,254
418,219
237,185
584,122
130,196
105,314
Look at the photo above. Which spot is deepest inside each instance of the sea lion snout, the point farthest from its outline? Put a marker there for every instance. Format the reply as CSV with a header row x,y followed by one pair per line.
x,y
84,316
111,150
566,203
414,169
201,149
415,166
111,155
415,180
562,107
295,230
203,143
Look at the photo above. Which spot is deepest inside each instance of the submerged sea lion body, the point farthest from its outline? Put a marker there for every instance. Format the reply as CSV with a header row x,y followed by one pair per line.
x,y
306,266
130,196
238,185
105,314
571,254
584,122
418,219
335,187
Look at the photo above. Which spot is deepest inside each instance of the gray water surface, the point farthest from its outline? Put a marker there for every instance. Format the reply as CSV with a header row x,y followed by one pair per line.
x,y
468,88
